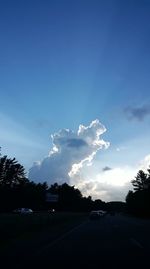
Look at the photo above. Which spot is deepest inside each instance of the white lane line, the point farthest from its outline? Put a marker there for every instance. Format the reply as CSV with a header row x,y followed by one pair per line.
x,y
62,237
136,243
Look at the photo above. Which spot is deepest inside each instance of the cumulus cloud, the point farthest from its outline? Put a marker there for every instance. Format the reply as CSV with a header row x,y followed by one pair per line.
x,y
71,160
145,163
110,184
138,113
106,192
71,151
114,184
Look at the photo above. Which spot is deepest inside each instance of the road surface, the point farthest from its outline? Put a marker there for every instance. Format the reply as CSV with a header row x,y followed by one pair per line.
x,y
112,241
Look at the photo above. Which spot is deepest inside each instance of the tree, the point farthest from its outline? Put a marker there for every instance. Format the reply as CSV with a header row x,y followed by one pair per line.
x,y
138,201
70,198
141,181
11,172
129,196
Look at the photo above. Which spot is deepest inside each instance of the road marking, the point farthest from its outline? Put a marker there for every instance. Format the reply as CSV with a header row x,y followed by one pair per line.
x,y
61,237
136,243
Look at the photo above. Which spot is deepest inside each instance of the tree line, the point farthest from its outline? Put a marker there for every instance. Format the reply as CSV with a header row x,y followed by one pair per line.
x,y
16,190
138,200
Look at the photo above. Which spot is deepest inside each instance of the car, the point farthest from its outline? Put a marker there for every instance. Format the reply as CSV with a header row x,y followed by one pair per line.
x,y
94,215
52,210
102,213
23,210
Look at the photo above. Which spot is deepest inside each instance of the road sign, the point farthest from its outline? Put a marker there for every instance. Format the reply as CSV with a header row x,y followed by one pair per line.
x,y
51,197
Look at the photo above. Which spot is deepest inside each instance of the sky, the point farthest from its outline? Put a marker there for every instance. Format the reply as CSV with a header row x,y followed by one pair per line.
x,y
75,91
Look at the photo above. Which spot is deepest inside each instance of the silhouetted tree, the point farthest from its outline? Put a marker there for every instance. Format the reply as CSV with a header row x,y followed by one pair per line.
x,y
141,181
17,191
129,196
99,205
70,198
11,172
138,201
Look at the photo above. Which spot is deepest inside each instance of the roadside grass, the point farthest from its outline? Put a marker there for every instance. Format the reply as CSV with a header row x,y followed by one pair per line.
x,y
15,227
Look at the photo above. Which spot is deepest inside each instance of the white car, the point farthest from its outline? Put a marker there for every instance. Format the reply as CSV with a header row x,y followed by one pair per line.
x,y
102,213
96,214
23,210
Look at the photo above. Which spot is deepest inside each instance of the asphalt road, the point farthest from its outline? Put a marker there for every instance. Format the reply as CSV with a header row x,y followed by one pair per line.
x,y
112,241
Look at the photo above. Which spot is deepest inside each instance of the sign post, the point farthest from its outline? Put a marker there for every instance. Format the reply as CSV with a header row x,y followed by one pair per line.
x,y
51,197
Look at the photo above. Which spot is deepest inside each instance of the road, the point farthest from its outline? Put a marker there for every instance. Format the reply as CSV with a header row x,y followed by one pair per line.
x,y
118,241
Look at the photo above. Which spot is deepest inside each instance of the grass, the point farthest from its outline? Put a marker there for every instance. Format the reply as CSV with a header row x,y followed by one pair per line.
x,y
15,227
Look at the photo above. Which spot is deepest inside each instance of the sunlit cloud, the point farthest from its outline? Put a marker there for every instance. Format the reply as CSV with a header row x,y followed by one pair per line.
x,y
71,152
72,160
110,184
145,163
117,177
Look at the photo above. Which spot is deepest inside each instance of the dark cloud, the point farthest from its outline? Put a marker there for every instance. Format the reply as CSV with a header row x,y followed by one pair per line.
x,y
138,113
76,143
106,168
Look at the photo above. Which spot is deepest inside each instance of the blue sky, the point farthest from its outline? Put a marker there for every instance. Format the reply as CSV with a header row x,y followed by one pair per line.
x,y
66,63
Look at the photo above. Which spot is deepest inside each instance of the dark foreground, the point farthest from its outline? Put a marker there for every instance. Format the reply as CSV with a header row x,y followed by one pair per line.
x,y
112,241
